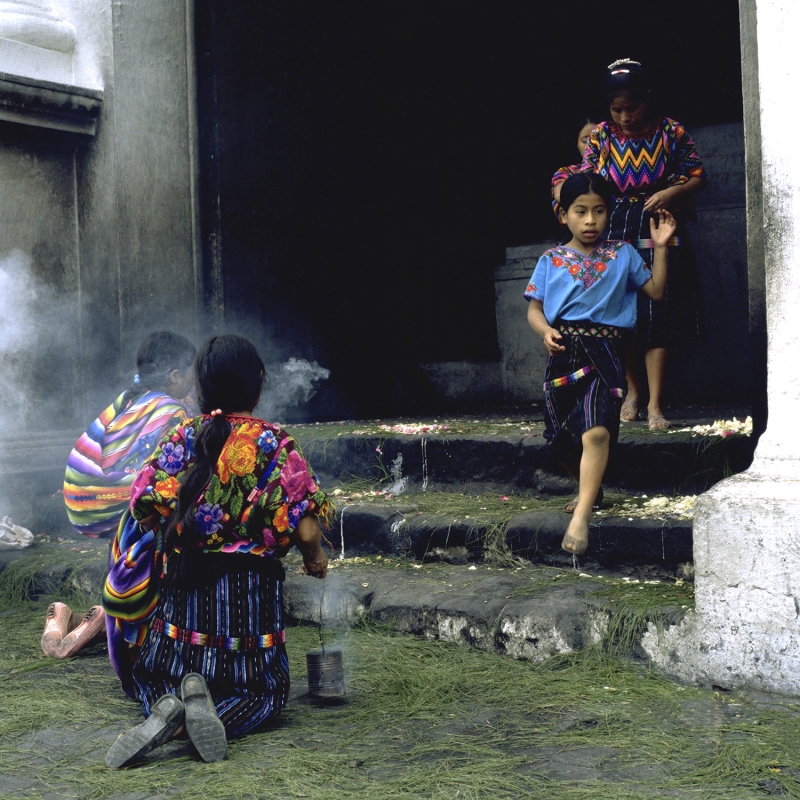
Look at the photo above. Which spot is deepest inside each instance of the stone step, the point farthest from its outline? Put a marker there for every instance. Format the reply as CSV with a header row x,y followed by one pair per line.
x,y
511,454
525,611
399,529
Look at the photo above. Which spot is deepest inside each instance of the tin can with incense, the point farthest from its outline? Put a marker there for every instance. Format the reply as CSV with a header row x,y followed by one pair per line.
x,y
325,667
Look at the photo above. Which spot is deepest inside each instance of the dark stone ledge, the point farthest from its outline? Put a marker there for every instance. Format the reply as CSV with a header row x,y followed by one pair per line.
x,y
45,104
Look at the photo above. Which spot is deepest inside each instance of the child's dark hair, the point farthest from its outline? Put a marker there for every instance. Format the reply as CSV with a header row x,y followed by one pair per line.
x,y
159,353
584,183
230,376
629,78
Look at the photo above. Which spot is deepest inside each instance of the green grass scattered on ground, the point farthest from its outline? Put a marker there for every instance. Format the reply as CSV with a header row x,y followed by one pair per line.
x,y
499,508
423,720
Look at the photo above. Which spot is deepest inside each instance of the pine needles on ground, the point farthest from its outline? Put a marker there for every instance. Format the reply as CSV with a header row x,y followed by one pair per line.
x,y
422,720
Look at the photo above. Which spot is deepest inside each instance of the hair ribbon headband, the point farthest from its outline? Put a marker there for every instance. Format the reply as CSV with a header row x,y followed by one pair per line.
x,y
622,62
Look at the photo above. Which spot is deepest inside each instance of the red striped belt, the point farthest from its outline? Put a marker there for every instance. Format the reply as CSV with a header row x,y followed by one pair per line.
x,y
221,642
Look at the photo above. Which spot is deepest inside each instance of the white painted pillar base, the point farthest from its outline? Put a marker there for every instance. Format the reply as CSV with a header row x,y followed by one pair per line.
x,y
745,629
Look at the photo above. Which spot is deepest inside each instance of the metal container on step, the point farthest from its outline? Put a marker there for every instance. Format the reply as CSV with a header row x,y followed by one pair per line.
x,y
325,674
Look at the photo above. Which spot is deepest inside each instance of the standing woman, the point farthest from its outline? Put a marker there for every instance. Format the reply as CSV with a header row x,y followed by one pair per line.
x,y
652,164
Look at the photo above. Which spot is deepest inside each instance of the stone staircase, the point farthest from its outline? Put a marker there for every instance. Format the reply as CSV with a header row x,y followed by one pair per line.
x,y
396,485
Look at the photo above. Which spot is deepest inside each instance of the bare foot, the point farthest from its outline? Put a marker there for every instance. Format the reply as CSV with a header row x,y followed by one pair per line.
x,y
630,409
576,539
571,505
656,420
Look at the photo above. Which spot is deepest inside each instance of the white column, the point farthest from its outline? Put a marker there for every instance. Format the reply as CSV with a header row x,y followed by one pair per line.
x,y
36,40
745,630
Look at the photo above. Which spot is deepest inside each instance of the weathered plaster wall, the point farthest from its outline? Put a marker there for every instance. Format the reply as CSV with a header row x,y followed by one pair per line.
x,y
744,631
108,220
718,369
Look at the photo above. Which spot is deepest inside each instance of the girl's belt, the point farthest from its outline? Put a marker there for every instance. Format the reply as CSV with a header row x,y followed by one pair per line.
x,y
598,331
221,642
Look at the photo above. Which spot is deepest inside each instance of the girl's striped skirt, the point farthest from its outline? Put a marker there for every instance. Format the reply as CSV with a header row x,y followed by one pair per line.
x,y
231,632
584,385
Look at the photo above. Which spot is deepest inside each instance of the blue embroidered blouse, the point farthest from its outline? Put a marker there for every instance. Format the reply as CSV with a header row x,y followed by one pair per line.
x,y
599,288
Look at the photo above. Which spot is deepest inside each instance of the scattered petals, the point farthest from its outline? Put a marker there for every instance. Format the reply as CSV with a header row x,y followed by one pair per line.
x,y
721,427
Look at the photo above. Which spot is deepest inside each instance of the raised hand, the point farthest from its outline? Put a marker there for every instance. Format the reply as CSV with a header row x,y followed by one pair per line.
x,y
662,227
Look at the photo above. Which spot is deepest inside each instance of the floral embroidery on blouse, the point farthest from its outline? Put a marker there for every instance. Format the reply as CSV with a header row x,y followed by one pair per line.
x,y
259,491
586,270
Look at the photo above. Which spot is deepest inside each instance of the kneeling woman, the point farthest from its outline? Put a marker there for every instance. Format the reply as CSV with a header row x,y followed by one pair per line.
x,y
231,494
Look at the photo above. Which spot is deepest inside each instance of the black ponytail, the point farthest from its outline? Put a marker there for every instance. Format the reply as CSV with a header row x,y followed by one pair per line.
x,y
230,376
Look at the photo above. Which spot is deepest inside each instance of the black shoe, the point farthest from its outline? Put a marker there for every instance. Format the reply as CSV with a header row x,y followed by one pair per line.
x,y
165,718
204,728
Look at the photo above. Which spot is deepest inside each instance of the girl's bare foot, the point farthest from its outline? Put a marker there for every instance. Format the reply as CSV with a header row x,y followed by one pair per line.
x,y
576,539
571,505
630,409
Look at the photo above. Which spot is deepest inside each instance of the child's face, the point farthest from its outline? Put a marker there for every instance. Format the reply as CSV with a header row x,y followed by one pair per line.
x,y
583,136
586,218
631,117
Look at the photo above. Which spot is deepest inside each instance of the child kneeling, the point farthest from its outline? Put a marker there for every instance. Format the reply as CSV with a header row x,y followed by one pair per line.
x,y
583,304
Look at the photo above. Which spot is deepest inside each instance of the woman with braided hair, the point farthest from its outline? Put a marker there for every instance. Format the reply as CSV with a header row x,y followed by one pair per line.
x,y
228,495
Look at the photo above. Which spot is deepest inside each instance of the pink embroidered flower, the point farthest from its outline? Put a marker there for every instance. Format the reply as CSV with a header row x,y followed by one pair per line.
x,y
269,539
588,280
142,483
295,478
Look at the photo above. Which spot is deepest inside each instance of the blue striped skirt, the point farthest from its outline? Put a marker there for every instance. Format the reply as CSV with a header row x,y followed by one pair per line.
x,y
231,632
583,388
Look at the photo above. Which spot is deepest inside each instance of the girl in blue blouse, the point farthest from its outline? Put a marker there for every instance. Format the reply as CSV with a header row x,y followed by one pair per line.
x,y
583,304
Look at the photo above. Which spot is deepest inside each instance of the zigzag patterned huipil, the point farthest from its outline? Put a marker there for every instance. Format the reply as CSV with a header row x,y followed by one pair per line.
x,y
665,156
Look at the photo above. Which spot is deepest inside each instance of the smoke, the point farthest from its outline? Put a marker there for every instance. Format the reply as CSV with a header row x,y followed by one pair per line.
x,y
37,348
292,383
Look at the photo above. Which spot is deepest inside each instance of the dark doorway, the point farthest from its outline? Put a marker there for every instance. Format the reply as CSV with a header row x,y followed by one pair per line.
x,y
364,164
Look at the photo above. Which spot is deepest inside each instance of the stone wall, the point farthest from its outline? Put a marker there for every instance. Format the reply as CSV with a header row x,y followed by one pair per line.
x,y
97,209
97,220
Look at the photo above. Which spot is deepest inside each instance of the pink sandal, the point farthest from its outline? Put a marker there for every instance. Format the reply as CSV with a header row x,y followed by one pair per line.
x,y
56,627
92,629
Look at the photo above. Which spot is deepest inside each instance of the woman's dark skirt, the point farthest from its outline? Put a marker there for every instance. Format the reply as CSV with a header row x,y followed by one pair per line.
x,y
249,686
575,402
678,318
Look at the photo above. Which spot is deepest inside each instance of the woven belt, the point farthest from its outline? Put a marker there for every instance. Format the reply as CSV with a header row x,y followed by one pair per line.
x,y
590,329
647,244
567,379
222,642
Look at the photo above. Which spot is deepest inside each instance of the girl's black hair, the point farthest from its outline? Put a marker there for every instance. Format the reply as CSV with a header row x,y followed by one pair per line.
x,y
159,353
230,375
629,78
584,183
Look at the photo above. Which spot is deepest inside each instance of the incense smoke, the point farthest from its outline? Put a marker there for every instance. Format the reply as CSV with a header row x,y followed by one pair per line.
x,y
291,383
